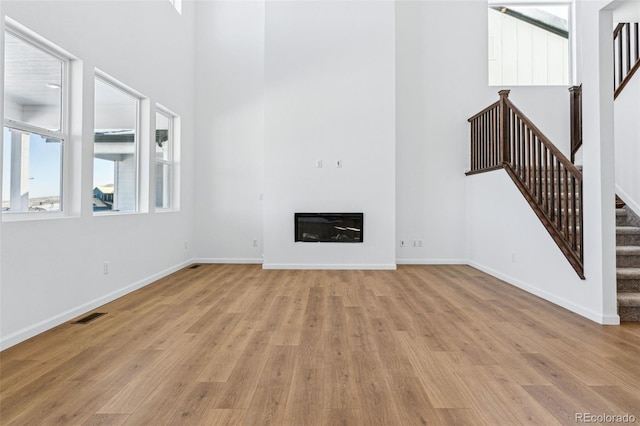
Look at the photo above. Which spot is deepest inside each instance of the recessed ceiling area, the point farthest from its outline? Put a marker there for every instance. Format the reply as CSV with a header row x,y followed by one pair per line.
x,y
32,77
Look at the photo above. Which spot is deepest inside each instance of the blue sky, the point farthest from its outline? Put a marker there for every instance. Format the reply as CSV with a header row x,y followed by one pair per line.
x,y
44,166
103,172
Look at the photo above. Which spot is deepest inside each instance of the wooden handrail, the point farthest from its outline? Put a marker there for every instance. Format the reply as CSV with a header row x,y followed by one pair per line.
x,y
575,117
503,137
473,117
626,52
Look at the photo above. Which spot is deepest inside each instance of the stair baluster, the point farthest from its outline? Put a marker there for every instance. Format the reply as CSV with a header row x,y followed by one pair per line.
x,y
626,54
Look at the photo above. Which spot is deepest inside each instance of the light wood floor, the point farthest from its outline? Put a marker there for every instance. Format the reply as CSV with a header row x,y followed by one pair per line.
x,y
236,345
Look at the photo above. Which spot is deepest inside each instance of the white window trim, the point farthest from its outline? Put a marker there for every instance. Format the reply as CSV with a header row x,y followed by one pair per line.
x,y
27,36
171,162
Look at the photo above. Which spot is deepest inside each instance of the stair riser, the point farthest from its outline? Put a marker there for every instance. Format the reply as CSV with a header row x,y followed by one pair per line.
x,y
621,220
629,285
628,261
629,313
628,239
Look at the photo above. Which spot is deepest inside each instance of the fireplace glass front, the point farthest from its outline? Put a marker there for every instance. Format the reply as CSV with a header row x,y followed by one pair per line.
x,y
328,227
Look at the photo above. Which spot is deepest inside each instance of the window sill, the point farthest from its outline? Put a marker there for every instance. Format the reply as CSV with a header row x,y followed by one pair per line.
x,y
22,217
112,213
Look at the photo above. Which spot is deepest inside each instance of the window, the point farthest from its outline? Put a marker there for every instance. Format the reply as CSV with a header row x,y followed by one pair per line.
x,y
115,148
34,126
177,4
528,44
164,147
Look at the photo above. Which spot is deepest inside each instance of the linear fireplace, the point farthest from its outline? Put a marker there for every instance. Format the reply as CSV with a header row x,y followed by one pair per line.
x,y
328,227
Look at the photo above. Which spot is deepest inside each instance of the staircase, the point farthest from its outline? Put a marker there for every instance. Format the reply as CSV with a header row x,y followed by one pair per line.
x,y
502,137
626,38
627,263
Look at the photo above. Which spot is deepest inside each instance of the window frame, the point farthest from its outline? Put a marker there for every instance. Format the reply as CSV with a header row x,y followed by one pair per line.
x,y
172,136
571,40
139,98
26,36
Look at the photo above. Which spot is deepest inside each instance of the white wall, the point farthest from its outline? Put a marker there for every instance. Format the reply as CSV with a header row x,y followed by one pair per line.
x,y
595,72
52,269
330,95
1,165
433,104
627,143
230,129
507,240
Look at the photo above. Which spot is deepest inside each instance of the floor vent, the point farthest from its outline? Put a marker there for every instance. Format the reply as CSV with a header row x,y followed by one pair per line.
x,y
194,266
89,318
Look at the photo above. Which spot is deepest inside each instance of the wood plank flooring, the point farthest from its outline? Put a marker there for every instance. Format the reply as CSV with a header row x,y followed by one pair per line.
x,y
238,345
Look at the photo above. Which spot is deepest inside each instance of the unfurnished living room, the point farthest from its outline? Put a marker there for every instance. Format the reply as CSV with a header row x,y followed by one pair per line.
x,y
324,212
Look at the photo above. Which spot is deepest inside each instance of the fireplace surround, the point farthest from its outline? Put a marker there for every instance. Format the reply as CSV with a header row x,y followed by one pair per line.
x,y
329,227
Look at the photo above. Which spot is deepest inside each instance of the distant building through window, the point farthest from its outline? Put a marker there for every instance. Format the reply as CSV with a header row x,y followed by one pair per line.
x,y
529,44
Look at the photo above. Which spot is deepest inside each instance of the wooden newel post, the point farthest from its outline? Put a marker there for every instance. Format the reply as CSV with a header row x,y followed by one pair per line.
x,y
504,127
575,112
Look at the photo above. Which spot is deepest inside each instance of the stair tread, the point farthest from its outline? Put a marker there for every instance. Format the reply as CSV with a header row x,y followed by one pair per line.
x,y
621,212
628,250
628,229
628,299
628,272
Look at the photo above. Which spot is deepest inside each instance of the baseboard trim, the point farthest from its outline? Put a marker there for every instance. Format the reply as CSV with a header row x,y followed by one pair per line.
x,y
604,319
230,260
372,267
431,262
42,326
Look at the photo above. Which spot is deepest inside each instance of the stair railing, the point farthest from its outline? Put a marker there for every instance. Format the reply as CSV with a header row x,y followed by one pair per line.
x,y
626,54
503,137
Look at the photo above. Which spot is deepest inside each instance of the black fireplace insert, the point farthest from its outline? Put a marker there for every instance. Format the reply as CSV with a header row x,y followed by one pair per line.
x,y
328,227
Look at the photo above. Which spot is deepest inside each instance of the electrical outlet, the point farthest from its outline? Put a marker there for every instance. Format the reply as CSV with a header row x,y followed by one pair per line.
x,y
105,267
255,243
318,164
415,243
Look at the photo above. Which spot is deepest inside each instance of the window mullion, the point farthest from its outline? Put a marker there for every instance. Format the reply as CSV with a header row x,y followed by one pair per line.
x,y
28,128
